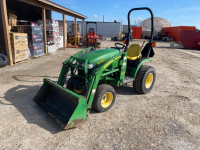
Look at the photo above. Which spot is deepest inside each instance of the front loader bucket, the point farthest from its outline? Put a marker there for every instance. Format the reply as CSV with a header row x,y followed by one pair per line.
x,y
67,107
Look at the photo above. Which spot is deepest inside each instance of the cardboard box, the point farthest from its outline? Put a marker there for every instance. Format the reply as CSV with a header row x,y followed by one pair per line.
x,y
30,29
18,40
19,45
21,29
20,55
12,20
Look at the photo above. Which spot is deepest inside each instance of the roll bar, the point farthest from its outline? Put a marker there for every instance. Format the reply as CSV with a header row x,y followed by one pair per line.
x,y
129,24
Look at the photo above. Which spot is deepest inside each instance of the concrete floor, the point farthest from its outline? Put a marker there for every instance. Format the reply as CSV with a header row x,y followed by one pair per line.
x,y
166,118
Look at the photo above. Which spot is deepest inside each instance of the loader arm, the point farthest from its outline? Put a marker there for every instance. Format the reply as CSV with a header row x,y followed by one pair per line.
x,y
65,106
66,66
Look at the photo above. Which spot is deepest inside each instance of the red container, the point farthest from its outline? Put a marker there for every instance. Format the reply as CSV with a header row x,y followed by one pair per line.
x,y
190,39
137,32
175,32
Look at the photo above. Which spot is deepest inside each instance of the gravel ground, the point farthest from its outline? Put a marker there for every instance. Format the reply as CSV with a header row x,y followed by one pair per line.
x,y
166,118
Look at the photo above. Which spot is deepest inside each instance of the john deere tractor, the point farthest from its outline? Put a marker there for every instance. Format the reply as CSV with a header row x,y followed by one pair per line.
x,y
87,78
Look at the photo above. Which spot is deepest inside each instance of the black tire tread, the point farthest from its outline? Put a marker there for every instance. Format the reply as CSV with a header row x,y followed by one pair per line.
x,y
69,85
101,88
138,83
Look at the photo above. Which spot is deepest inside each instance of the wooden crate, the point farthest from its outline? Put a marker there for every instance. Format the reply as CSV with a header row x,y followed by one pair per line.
x,y
19,45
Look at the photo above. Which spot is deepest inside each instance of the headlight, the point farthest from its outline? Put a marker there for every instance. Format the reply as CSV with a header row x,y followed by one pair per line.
x,y
90,66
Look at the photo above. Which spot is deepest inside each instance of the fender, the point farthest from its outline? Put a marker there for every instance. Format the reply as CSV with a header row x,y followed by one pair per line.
x,y
134,71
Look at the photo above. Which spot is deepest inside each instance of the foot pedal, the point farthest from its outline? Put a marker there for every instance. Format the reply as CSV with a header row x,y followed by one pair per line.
x,y
128,79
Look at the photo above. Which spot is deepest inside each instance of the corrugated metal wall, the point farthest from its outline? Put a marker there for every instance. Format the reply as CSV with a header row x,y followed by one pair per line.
x,y
125,28
108,29
175,32
190,39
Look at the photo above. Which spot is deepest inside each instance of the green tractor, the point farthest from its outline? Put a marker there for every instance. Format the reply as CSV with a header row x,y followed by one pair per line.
x,y
87,78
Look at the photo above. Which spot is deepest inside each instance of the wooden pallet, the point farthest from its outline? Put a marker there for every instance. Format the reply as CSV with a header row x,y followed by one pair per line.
x,y
20,61
39,56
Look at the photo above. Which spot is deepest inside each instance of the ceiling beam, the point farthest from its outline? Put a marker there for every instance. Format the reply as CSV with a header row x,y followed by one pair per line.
x,y
54,7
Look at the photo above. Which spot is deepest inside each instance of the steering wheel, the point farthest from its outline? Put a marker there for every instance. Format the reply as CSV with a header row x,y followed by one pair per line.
x,y
120,44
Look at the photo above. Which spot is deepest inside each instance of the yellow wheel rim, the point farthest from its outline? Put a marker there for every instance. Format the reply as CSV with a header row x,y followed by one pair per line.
x,y
107,99
78,91
149,80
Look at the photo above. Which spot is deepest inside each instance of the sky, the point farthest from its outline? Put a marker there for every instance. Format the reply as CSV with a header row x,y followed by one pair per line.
x,y
177,12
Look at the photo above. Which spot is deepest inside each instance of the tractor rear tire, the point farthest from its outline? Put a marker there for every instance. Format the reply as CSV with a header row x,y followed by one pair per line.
x,y
104,98
145,79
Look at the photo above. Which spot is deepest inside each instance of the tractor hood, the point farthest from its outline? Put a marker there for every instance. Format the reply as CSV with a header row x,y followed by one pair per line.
x,y
99,56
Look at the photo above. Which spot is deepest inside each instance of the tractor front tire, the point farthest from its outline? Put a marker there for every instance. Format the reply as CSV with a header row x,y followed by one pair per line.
x,y
69,85
74,88
145,79
104,98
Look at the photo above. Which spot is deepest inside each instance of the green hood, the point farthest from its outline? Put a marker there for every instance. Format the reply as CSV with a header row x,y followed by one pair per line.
x,y
99,56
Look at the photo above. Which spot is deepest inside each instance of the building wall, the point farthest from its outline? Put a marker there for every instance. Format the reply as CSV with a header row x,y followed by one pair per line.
x,y
106,29
125,28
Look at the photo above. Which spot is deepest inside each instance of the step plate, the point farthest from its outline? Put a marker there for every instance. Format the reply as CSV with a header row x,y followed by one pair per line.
x,y
128,79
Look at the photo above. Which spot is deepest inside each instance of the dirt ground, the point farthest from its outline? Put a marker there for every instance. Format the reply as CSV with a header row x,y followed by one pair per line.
x,y
168,118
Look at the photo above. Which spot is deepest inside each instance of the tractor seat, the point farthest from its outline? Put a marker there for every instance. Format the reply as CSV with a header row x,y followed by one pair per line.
x,y
133,52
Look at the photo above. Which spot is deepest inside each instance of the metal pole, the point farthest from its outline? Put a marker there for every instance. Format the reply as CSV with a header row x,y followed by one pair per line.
x,y
83,27
75,31
64,35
